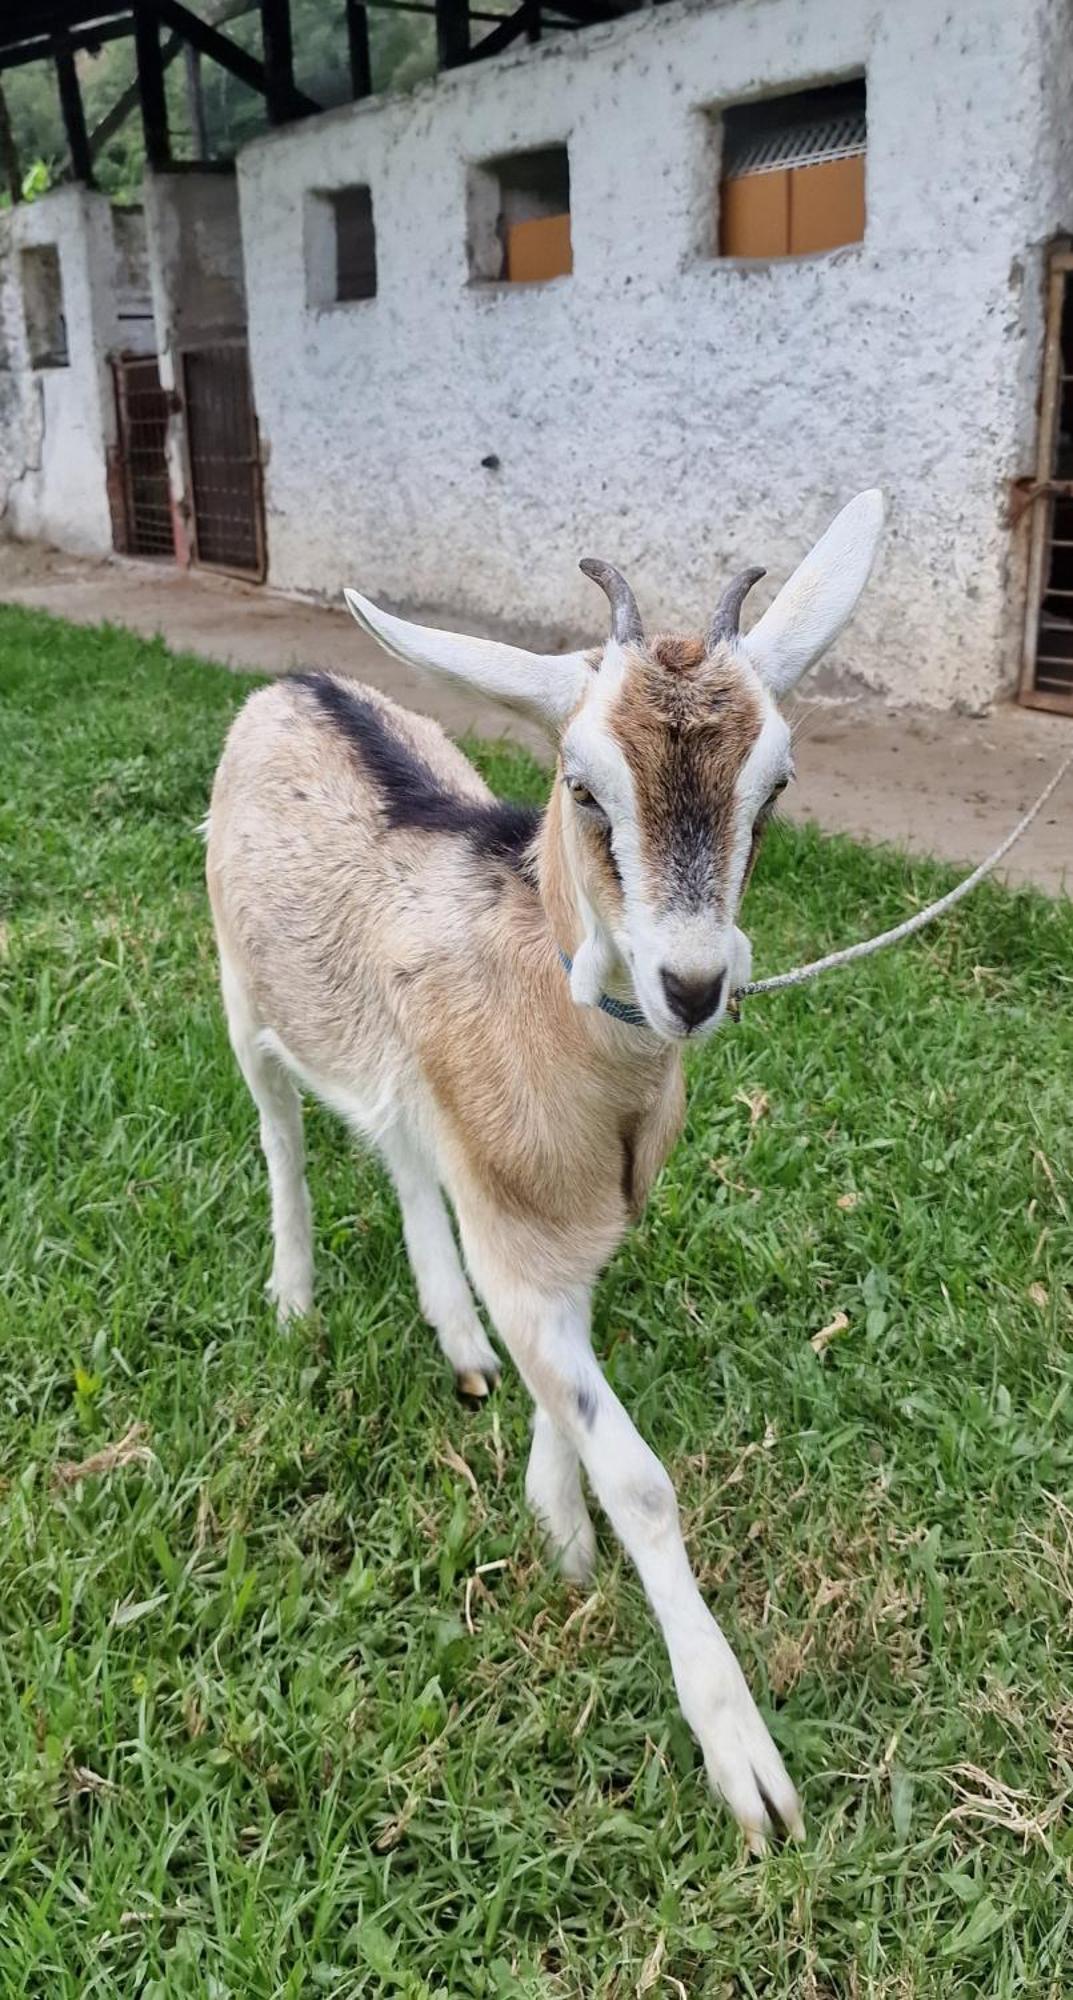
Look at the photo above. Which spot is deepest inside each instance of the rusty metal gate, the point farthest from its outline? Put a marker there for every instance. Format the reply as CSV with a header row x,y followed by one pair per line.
x,y
1047,669
223,458
144,519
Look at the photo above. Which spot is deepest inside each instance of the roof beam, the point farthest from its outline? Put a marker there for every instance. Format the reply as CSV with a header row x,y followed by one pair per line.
x,y
428,7
127,101
278,45
43,48
221,49
195,102
596,10
31,20
502,36
357,29
452,33
74,116
151,91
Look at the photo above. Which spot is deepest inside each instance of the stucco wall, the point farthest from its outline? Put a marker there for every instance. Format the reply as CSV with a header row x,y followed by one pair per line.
x,y
135,329
678,415
195,261
56,423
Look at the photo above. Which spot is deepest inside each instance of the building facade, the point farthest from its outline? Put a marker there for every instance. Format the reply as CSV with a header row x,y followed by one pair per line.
x,y
667,292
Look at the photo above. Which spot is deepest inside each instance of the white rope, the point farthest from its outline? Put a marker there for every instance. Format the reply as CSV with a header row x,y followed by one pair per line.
x,y
911,924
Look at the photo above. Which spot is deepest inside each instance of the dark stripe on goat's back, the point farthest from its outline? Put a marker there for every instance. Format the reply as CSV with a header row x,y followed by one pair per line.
x,y
412,795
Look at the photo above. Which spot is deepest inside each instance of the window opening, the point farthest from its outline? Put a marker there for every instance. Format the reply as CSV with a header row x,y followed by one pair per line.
x,y
793,173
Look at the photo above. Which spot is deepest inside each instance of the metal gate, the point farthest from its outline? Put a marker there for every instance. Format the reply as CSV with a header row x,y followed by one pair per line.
x,y
1047,670
146,527
223,458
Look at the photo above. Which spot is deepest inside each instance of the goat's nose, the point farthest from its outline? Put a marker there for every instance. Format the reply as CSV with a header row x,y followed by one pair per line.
x,y
693,1000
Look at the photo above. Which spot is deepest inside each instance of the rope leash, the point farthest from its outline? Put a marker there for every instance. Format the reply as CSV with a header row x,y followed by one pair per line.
x,y
800,973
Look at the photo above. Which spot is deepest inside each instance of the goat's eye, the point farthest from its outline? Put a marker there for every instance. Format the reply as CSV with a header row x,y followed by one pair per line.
x,y
581,794
769,804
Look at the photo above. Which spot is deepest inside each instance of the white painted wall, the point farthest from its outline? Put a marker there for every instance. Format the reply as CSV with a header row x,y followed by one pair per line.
x,y
678,415
135,329
195,261
56,424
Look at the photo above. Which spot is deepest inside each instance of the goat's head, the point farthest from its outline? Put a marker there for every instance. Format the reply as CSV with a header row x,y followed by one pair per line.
x,y
672,752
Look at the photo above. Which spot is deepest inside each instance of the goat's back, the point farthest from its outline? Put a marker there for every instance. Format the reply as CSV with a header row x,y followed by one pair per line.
x,y
318,899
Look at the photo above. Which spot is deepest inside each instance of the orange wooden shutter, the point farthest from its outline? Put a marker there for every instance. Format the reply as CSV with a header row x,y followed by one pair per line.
x,y
755,215
539,249
826,205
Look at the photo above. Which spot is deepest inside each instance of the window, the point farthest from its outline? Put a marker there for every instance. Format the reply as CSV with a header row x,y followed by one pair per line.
x,y
355,244
793,173
42,295
340,246
519,218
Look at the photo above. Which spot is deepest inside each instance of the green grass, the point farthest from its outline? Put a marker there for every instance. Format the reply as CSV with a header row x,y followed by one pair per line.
x,y
251,1743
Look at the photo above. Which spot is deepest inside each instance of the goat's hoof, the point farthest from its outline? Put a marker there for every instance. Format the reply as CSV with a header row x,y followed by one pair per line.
x,y
577,1561
473,1387
291,1301
745,1769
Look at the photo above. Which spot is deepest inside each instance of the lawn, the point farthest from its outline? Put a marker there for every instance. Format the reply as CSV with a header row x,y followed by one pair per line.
x,y
289,1705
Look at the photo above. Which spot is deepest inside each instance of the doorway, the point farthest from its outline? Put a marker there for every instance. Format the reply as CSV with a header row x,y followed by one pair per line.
x,y
143,521
224,459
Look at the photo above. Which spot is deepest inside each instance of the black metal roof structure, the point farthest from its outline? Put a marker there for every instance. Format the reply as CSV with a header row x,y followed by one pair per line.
x,y
58,30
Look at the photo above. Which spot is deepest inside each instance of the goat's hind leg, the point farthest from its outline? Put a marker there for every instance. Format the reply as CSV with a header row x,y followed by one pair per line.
x,y
553,1490
280,1108
442,1288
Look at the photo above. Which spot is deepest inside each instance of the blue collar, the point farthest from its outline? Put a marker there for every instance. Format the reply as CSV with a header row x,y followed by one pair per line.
x,y
619,1010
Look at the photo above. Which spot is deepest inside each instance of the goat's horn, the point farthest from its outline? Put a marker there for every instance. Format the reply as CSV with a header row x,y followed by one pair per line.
x,y
626,624
726,620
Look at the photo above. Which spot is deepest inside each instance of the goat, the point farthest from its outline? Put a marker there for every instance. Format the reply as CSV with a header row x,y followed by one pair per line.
x,y
497,1000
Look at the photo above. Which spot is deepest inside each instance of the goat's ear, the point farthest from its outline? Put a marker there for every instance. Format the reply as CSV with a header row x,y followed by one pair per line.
x,y
820,597
544,686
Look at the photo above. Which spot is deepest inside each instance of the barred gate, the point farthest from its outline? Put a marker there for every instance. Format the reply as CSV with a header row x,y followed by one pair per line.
x,y
224,460
1047,666
144,524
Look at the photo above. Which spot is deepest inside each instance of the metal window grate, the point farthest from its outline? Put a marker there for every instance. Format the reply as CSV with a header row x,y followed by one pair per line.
x,y
805,128
808,145
143,427
225,470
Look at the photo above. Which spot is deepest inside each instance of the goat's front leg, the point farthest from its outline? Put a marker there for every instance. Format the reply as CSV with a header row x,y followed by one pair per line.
x,y
445,1297
553,1490
549,1341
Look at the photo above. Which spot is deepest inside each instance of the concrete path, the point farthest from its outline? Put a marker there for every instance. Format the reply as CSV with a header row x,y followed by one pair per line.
x,y
934,784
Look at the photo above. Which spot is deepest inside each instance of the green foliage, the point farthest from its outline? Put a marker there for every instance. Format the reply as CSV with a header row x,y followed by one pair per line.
x,y
36,180
290,1707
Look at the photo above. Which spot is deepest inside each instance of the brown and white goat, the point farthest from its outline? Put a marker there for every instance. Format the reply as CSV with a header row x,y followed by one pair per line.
x,y
497,1001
